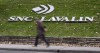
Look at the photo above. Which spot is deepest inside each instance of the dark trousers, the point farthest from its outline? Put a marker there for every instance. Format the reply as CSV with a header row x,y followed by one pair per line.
x,y
42,37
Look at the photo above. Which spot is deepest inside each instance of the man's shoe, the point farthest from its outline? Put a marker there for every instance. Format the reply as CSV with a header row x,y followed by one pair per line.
x,y
47,45
34,46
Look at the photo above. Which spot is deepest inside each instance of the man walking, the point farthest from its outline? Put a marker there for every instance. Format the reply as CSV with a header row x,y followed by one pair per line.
x,y
40,32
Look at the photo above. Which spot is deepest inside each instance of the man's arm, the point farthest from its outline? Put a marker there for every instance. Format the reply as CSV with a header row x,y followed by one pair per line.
x,y
45,29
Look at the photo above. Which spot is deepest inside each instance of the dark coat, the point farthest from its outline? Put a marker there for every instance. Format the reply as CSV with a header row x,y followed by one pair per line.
x,y
40,28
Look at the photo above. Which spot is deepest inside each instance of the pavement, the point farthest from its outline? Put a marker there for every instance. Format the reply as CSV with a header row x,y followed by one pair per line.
x,y
10,51
62,49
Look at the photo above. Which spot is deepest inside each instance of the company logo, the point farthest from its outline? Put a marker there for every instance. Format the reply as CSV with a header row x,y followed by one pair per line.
x,y
43,9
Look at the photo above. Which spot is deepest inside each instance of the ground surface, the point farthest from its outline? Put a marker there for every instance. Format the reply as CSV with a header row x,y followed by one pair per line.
x,y
7,51
9,48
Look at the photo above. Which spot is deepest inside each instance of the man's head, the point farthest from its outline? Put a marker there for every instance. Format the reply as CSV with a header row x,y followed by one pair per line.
x,y
38,22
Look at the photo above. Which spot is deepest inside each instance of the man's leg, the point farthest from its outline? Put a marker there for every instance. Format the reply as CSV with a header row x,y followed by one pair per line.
x,y
36,40
43,38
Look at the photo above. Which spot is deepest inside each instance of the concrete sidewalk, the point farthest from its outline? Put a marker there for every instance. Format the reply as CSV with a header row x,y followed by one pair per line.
x,y
47,49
